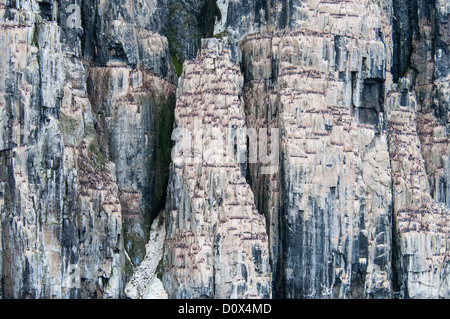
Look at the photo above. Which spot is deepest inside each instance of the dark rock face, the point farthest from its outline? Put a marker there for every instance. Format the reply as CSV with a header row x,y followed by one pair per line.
x,y
310,210
345,195
121,32
134,118
75,221
189,22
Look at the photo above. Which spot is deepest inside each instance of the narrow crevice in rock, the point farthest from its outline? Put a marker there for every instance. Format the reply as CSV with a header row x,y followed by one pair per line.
x,y
404,24
188,24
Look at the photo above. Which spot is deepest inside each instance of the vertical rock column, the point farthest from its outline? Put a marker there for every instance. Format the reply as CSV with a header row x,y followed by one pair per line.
x,y
31,151
422,232
133,111
322,84
130,86
419,148
216,243
61,220
432,87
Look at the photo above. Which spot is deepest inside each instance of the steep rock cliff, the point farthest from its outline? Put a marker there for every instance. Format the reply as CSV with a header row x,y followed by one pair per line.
x,y
216,245
329,204
310,149
64,232
61,220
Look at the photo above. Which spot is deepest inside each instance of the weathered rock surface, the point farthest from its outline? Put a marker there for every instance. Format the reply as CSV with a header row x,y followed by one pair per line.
x,y
329,205
419,150
317,164
189,22
130,87
145,284
421,223
127,33
216,245
133,115
61,220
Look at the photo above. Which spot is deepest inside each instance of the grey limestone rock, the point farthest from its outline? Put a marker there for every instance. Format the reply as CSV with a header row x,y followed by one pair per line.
x,y
345,195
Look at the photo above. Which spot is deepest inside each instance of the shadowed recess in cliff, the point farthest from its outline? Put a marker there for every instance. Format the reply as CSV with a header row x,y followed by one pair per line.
x,y
404,20
46,8
134,120
408,37
189,22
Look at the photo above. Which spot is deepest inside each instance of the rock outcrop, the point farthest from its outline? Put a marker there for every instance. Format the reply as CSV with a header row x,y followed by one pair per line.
x,y
133,115
421,223
329,203
216,245
61,219
145,283
72,201
224,149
